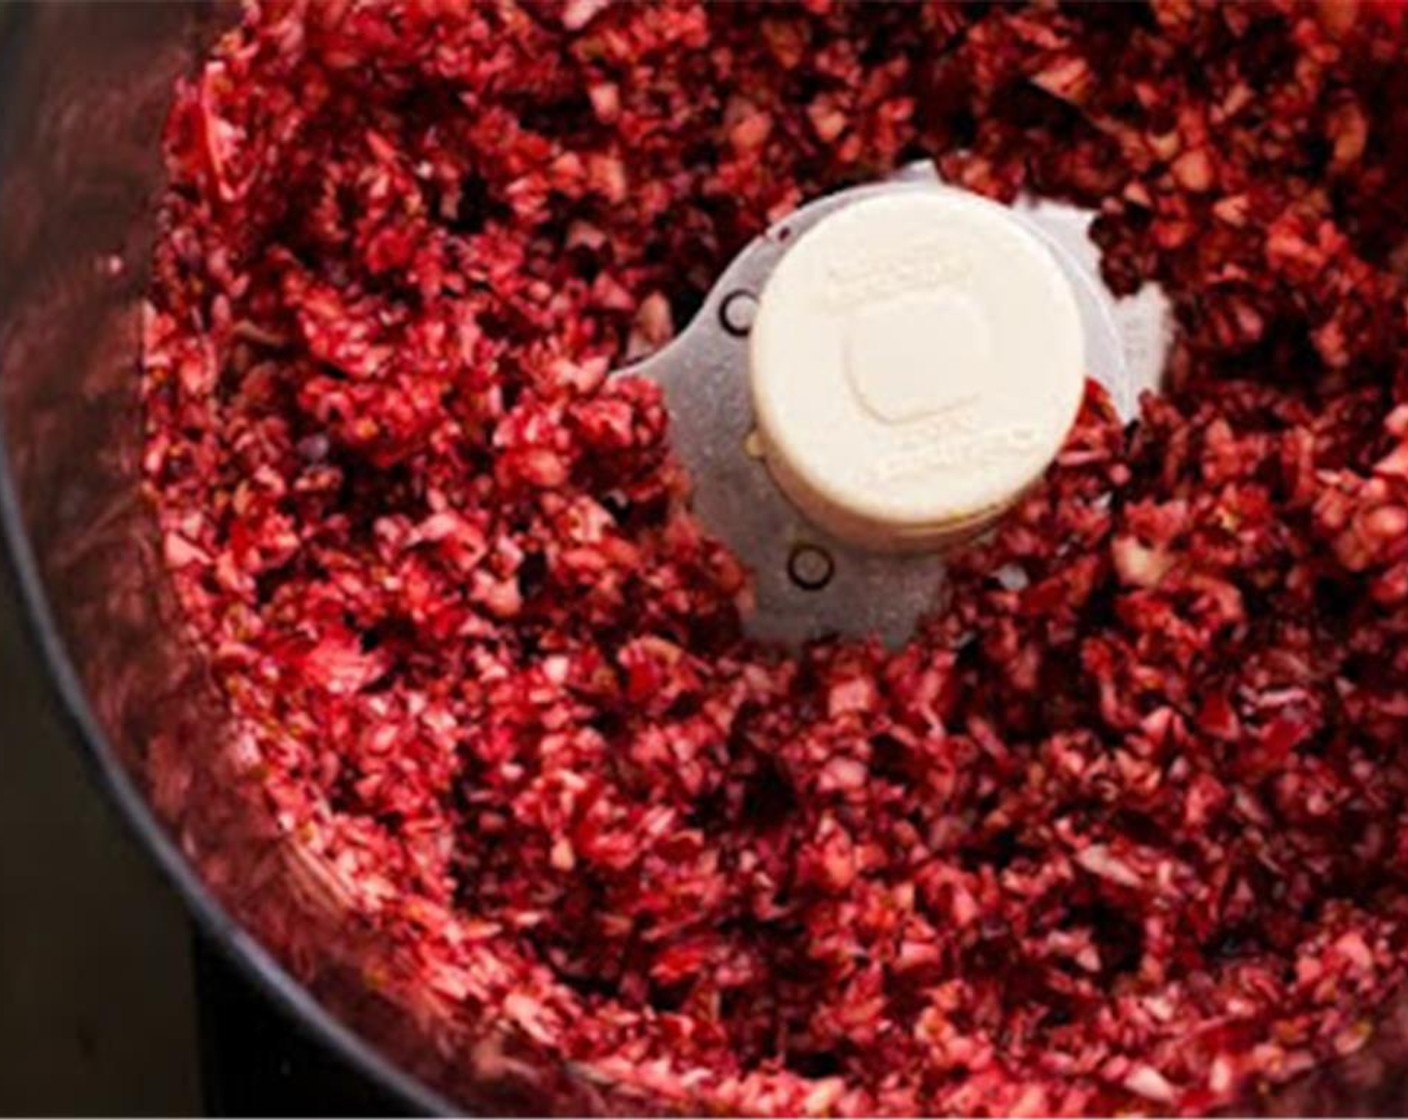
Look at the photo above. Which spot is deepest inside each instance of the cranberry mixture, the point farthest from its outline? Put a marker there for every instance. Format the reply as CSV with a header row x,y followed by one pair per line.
x,y
1124,827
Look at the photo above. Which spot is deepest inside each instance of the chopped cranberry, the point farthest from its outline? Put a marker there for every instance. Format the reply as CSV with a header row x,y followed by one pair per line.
x,y
1122,828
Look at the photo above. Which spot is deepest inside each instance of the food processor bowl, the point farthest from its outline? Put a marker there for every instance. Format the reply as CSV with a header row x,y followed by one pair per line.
x,y
84,89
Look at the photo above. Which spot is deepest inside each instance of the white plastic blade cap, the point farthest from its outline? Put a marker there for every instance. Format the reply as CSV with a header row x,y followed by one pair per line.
x,y
916,363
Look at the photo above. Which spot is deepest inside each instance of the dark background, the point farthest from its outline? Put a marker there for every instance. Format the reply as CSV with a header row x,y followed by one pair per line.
x,y
110,1003
97,1012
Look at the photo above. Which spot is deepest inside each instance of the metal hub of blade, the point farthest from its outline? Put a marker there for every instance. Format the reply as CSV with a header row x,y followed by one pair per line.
x,y
807,583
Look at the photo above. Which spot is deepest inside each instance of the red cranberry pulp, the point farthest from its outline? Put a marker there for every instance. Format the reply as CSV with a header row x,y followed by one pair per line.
x,y
1127,833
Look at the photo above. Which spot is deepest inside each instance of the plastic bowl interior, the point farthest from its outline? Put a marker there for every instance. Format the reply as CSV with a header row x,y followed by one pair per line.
x,y
83,93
